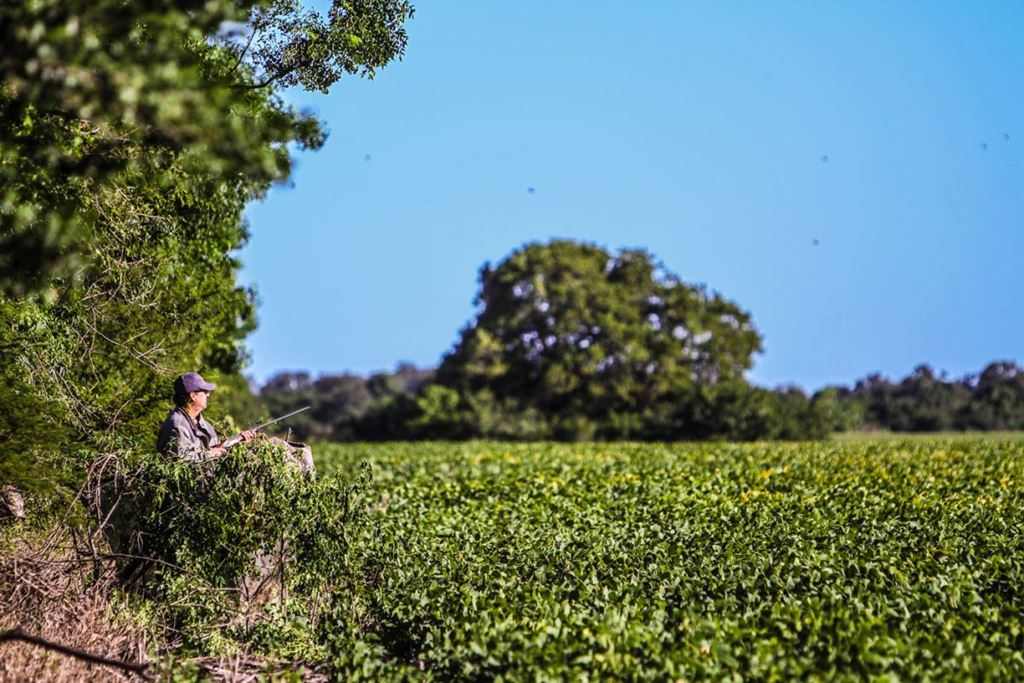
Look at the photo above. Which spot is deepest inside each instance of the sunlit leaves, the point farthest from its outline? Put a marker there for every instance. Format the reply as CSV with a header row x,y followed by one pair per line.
x,y
87,89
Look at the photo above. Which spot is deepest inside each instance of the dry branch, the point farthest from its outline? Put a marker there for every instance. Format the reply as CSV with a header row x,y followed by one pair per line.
x,y
17,634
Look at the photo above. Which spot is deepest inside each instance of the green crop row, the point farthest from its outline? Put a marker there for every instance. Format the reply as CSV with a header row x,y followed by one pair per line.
x,y
895,560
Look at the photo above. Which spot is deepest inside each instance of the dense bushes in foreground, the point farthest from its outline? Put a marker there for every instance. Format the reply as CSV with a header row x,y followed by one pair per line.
x,y
232,539
543,562
245,556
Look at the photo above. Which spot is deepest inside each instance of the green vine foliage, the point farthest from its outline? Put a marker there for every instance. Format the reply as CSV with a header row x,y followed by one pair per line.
x,y
243,553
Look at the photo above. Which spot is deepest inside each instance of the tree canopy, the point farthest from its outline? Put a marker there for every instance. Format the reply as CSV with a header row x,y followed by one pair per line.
x,y
93,90
133,135
570,330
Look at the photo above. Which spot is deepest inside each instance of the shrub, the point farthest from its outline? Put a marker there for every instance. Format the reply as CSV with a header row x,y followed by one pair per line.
x,y
244,553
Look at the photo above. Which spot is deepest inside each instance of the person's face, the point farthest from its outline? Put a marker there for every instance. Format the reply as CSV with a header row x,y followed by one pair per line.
x,y
200,399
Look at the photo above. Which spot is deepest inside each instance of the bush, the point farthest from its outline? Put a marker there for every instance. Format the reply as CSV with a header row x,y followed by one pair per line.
x,y
244,553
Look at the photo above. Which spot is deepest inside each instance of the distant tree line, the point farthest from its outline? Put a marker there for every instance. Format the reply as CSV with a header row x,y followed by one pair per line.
x,y
925,401
409,404
344,407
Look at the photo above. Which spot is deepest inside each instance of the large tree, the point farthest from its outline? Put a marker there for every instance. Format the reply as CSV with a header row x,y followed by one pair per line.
x,y
585,336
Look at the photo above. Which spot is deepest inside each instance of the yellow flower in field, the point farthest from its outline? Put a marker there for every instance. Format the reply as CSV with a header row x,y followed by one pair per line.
x,y
752,493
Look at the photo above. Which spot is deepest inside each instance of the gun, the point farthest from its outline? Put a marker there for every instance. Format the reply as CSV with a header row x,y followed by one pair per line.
x,y
237,438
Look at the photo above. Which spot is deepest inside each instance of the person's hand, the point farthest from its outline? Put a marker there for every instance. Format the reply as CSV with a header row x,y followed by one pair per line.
x,y
248,436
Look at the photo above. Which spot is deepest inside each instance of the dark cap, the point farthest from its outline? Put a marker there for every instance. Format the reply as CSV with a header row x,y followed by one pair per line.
x,y
192,381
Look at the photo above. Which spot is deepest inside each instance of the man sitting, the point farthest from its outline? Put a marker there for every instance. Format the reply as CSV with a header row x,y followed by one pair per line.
x,y
186,433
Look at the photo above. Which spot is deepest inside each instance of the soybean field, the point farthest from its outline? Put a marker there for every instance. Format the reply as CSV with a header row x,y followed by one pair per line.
x,y
895,559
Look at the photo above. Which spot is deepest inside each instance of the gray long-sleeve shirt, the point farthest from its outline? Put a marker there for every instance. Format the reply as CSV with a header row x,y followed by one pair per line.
x,y
186,438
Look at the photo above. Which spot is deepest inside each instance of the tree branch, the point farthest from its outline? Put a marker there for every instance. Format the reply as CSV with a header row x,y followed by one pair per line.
x,y
17,634
279,74
241,55
262,84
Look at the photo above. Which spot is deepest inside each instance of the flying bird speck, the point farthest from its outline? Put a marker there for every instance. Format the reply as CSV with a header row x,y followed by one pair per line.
x,y
1006,136
815,242
824,158
984,147
531,190
367,157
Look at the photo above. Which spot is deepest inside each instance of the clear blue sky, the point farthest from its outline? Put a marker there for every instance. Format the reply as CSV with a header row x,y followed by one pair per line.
x,y
699,131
